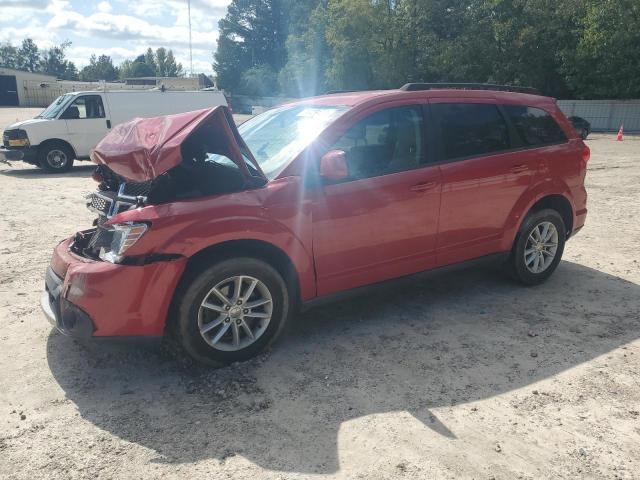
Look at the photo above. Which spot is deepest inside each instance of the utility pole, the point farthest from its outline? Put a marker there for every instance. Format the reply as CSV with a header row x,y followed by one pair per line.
x,y
190,48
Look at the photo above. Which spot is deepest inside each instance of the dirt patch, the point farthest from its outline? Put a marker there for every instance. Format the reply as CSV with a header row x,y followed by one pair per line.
x,y
462,376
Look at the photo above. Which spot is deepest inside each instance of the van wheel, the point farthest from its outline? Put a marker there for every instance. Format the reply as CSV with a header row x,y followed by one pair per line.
x,y
56,157
538,247
232,311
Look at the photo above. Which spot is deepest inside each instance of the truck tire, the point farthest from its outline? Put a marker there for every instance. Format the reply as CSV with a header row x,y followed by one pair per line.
x,y
56,157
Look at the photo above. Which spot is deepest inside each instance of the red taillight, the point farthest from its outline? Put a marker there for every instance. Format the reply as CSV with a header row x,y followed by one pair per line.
x,y
586,154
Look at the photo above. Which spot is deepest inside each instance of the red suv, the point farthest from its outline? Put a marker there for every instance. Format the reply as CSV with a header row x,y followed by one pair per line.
x,y
217,235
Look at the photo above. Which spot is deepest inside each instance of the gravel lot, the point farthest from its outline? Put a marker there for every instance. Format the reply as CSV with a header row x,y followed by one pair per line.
x,y
459,376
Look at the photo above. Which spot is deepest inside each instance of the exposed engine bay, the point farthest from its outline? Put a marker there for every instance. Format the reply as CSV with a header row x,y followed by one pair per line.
x,y
211,160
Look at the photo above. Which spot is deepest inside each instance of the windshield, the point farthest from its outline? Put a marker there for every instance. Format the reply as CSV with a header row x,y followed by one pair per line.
x,y
277,136
55,108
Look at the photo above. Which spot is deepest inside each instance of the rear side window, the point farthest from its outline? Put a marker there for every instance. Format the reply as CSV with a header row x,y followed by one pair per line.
x,y
534,125
471,129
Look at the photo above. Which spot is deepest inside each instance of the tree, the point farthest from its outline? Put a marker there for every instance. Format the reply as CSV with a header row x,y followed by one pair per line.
x,y
259,81
307,56
53,62
606,60
252,34
28,56
150,59
100,68
161,62
8,56
172,69
136,68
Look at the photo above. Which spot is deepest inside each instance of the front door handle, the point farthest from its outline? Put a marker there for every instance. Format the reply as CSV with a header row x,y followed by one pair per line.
x,y
108,123
519,168
421,187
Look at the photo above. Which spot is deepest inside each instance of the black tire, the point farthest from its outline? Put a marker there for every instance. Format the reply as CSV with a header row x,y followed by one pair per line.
x,y
56,157
517,265
584,134
188,304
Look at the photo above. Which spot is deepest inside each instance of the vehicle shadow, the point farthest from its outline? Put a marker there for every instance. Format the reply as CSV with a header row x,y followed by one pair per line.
x,y
82,171
429,343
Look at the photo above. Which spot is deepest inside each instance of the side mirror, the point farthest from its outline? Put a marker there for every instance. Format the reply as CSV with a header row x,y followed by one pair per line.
x,y
333,166
71,113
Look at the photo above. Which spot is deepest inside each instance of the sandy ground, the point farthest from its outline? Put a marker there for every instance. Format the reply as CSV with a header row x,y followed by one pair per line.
x,y
459,376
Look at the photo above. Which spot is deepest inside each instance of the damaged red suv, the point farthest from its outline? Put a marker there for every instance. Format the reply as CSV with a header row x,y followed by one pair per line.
x,y
216,235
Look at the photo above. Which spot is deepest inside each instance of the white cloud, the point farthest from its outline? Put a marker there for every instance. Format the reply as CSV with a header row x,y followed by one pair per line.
x,y
121,29
104,7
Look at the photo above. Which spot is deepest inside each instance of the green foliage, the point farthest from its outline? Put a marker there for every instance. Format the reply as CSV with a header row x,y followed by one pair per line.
x,y
160,63
606,62
565,48
260,81
53,62
28,56
99,68
252,35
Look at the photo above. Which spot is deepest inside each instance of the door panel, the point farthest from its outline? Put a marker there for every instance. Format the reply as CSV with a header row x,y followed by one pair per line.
x,y
375,229
482,178
91,125
8,91
383,222
478,196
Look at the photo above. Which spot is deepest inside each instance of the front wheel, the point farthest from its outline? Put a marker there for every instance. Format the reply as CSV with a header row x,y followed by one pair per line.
x,y
538,247
232,311
56,157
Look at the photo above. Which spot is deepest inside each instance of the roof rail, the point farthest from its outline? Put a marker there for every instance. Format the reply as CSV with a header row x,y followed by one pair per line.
x,y
414,87
335,92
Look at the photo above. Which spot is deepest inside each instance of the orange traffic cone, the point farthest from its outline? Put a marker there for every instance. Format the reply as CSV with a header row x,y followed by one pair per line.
x,y
620,132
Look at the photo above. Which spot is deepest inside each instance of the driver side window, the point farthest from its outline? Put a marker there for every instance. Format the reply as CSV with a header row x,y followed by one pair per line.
x,y
385,142
86,106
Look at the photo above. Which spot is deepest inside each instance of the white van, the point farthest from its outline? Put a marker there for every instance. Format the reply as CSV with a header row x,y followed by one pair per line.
x,y
75,122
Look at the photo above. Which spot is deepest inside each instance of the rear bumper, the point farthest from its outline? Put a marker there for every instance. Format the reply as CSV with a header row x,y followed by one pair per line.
x,y
91,298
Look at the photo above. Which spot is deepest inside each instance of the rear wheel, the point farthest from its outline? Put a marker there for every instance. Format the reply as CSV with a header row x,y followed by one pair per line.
x,y
584,134
538,248
56,157
232,311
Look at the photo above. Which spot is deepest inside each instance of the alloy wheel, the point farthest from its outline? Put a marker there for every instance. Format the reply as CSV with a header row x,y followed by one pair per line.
x,y
541,247
235,313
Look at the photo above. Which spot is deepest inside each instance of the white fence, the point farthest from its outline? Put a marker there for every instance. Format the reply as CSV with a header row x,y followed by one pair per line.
x,y
605,115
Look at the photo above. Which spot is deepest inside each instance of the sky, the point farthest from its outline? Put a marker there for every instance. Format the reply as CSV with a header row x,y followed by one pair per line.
x,y
119,28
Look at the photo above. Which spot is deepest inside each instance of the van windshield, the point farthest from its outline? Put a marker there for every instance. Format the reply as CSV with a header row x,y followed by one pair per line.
x,y
55,108
276,136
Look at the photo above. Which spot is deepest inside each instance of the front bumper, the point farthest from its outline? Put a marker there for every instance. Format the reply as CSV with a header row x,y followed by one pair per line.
x,y
91,298
62,314
29,154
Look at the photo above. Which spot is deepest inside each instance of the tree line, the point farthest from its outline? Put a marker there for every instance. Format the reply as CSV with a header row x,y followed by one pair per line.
x,y
53,61
565,48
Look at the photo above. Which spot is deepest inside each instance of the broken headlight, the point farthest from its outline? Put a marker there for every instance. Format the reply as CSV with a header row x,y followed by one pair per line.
x,y
124,236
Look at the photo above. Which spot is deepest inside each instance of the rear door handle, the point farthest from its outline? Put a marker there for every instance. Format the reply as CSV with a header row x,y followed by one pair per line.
x,y
421,187
519,168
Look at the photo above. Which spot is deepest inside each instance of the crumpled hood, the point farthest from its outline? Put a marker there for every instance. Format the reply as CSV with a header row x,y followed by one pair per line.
x,y
143,148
